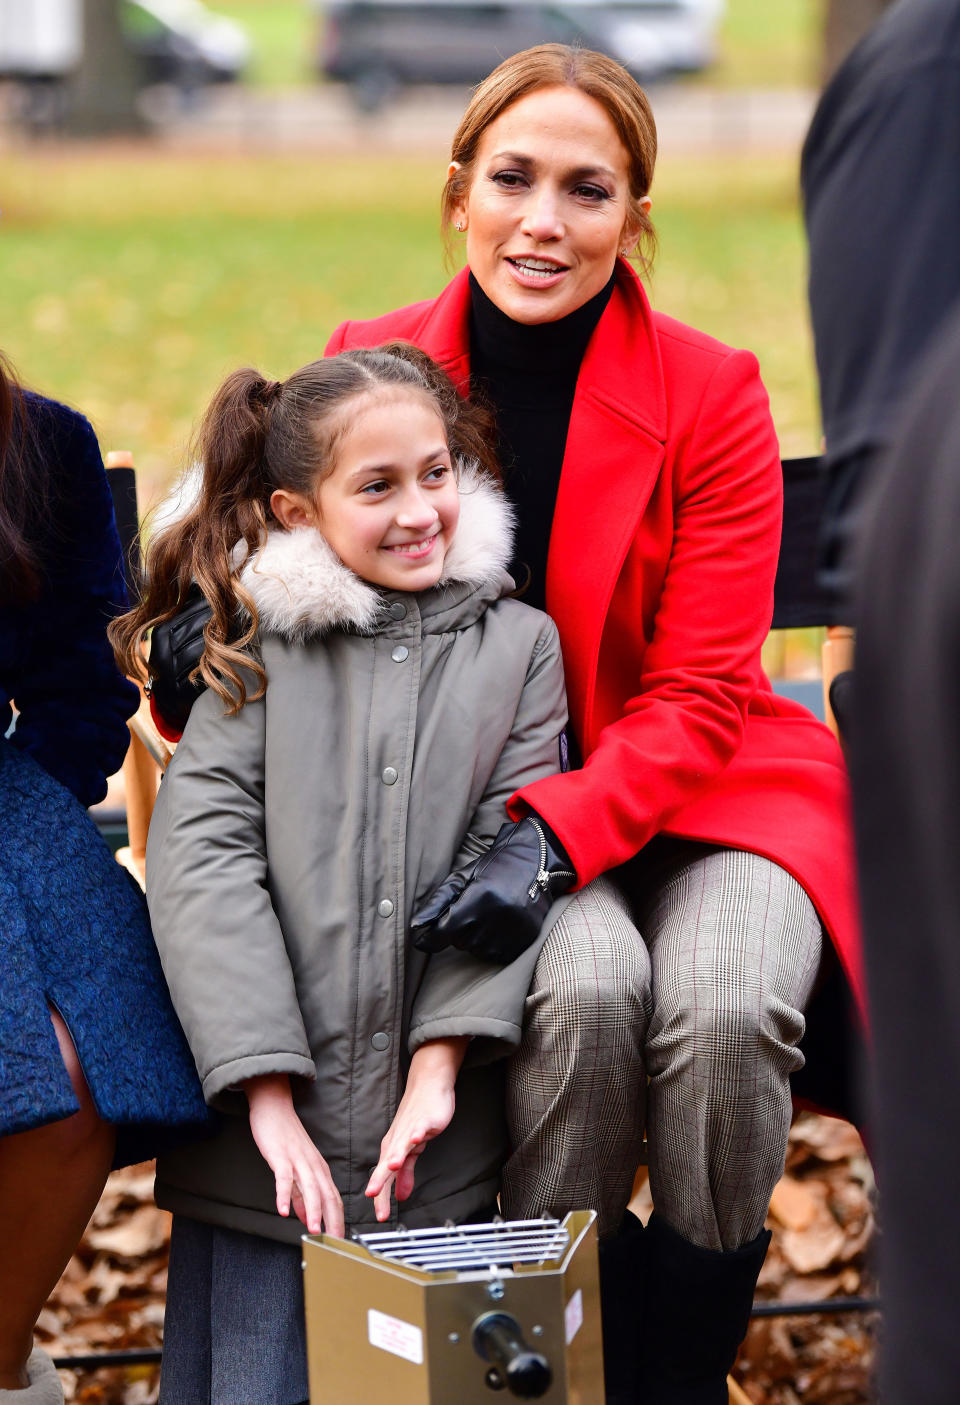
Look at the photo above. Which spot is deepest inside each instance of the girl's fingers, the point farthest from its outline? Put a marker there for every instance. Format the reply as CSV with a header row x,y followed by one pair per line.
x,y
333,1212
299,1209
407,1172
284,1178
378,1175
381,1203
311,1212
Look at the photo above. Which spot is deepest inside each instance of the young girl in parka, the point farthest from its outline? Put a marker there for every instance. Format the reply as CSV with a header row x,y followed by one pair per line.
x,y
364,725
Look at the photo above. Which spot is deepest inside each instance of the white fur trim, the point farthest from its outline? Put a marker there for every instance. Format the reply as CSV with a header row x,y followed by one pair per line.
x,y
483,543
301,587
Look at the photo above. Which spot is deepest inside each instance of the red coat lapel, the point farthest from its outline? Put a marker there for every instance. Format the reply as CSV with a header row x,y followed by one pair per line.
x,y
445,332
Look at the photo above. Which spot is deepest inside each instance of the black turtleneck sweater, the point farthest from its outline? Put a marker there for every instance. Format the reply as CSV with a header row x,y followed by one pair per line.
x,y
528,376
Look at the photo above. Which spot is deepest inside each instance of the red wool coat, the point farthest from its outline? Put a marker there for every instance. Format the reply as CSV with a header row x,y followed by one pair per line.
x,y
660,578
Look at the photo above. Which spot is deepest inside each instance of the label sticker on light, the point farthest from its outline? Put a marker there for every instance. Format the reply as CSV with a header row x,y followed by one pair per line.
x,y
397,1337
573,1316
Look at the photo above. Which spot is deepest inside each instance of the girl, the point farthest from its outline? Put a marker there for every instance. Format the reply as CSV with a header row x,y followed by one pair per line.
x,y
357,741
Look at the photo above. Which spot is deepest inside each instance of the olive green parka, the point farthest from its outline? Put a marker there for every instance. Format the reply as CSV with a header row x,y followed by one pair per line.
x,y
292,841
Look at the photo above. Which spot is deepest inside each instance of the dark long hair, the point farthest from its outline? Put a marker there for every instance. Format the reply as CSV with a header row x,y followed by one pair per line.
x,y
257,436
23,493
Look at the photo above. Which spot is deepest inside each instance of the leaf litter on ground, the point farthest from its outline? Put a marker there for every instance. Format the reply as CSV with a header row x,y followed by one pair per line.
x,y
111,1296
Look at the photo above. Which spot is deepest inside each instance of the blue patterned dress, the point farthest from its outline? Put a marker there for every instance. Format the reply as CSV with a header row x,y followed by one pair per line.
x,y
74,931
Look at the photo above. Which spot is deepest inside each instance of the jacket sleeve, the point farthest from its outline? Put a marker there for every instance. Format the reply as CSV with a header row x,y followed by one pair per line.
x,y
73,701
219,939
701,667
458,994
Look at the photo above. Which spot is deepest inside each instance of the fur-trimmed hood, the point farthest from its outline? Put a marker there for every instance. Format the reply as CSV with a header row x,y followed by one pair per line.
x,y
301,588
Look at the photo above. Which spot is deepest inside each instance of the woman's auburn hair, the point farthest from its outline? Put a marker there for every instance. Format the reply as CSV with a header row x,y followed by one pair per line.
x,y
561,66
257,436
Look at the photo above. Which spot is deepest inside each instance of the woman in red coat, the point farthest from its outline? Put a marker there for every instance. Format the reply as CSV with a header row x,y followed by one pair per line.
x,y
645,468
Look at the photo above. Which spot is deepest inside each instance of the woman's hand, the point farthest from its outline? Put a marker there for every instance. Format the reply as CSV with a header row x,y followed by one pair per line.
x,y
302,1175
176,647
495,907
425,1110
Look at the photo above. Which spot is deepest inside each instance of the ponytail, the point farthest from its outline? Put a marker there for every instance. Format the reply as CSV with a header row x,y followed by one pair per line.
x,y
208,545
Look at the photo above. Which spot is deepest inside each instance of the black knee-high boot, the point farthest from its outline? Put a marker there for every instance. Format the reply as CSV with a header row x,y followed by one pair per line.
x,y
622,1296
697,1311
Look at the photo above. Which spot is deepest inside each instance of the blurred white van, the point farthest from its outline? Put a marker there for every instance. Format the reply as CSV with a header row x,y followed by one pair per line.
x,y
176,41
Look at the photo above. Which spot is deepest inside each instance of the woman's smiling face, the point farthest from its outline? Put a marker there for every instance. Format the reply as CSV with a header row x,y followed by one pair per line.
x,y
547,210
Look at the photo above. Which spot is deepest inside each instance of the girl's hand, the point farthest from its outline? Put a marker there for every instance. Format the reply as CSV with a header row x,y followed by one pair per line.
x,y
425,1110
302,1175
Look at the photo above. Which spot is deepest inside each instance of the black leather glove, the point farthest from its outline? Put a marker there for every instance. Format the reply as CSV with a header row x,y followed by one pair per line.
x,y
495,907
175,649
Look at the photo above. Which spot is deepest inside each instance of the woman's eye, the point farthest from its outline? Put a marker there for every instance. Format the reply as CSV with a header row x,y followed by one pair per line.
x,y
595,193
510,180
436,475
375,489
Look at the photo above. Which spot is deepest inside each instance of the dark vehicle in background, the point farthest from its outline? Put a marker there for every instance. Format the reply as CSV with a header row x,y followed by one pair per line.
x,y
381,46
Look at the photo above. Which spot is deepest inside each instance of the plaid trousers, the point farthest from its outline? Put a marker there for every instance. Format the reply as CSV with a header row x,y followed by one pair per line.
x,y
666,1000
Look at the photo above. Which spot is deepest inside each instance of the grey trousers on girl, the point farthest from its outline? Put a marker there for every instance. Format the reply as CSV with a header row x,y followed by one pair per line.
x,y
669,1001
234,1332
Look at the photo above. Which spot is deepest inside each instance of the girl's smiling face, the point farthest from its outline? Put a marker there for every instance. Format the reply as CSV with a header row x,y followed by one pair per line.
x,y
547,209
389,507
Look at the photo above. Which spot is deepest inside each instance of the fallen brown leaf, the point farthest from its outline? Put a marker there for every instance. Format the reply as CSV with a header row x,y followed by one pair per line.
x,y
796,1204
144,1231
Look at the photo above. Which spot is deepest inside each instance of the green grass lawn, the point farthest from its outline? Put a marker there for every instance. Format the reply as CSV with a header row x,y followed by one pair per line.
x,y
132,285
769,44
763,43
284,36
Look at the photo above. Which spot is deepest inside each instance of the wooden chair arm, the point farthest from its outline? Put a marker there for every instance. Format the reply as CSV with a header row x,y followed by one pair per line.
x,y
836,657
147,758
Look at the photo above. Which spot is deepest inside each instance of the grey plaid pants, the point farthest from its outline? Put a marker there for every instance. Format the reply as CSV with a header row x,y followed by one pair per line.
x,y
678,1012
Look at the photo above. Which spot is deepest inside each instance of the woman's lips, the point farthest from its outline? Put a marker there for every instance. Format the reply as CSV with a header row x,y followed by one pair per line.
x,y
414,551
536,273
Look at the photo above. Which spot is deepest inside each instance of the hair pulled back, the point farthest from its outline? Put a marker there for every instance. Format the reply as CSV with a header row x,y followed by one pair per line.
x,y
257,436
562,66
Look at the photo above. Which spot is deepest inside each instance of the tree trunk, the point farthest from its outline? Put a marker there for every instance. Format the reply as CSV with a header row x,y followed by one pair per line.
x,y
846,22
103,91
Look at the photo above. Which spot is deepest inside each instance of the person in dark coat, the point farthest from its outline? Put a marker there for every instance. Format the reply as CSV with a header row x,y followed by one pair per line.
x,y
906,773
94,1068
881,189
881,185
